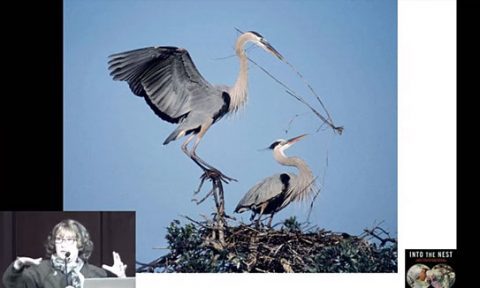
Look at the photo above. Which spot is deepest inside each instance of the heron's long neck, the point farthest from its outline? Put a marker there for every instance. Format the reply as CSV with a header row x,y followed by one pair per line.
x,y
305,179
238,92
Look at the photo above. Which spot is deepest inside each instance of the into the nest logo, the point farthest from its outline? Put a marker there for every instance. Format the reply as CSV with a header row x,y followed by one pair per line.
x,y
430,268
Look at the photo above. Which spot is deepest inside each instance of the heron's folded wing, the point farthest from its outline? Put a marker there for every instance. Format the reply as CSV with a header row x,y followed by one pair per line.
x,y
263,191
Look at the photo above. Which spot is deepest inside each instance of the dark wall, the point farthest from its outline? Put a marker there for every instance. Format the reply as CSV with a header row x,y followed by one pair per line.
x,y
25,234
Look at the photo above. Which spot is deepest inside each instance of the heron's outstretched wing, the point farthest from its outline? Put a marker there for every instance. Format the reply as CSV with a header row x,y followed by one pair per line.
x,y
166,77
266,190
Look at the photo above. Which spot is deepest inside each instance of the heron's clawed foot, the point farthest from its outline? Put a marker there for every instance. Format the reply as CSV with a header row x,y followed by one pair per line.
x,y
216,180
214,174
216,177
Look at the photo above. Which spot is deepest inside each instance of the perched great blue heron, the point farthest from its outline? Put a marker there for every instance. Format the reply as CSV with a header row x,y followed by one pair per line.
x,y
274,193
172,86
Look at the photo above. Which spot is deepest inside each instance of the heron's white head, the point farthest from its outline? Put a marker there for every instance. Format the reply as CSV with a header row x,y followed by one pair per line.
x,y
259,40
282,144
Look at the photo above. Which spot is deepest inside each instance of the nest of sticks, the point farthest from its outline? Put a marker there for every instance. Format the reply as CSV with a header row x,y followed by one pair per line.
x,y
196,247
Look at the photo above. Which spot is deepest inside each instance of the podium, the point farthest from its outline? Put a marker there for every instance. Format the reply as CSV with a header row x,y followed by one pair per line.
x,y
128,282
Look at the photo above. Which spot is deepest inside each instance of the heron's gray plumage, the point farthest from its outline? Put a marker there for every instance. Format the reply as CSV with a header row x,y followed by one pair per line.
x,y
169,81
274,193
270,189
172,86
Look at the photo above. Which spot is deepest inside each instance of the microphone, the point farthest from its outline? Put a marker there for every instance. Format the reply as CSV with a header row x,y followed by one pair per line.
x,y
67,254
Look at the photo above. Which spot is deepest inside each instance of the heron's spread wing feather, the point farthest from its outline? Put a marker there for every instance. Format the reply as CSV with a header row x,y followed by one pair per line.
x,y
264,191
167,78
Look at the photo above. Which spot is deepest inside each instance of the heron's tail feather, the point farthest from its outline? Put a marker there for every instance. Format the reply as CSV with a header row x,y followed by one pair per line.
x,y
240,209
177,133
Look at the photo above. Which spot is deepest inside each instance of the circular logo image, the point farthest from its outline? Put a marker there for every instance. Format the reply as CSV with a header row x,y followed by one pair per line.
x,y
421,276
441,276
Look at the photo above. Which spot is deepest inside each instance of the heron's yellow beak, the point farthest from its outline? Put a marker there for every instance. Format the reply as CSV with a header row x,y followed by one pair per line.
x,y
271,49
296,139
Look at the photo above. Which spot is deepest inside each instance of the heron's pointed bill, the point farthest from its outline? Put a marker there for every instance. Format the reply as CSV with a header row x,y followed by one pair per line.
x,y
271,49
296,139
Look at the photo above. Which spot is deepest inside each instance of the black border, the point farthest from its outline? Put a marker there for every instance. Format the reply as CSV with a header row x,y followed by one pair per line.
x,y
465,68
31,161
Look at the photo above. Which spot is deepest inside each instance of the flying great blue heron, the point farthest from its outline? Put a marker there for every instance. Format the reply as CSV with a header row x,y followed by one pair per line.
x,y
172,86
274,193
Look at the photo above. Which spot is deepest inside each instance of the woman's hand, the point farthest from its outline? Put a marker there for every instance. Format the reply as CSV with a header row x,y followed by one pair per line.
x,y
20,262
118,268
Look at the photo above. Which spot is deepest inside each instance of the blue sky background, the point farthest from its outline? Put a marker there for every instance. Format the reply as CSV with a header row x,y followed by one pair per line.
x,y
113,153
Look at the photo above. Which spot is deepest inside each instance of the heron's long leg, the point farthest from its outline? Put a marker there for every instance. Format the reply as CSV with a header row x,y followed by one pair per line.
x,y
262,208
204,176
253,216
193,155
185,144
210,170
270,221
189,154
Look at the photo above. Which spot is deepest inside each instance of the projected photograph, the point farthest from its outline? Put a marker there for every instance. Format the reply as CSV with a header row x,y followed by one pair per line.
x,y
247,136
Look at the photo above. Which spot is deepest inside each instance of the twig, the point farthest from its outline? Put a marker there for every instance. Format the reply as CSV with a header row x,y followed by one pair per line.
x,y
196,222
313,200
310,87
383,241
336,129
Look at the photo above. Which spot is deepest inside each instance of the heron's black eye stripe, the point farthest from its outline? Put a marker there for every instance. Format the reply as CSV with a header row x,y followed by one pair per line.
x,y
256,33
274,144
